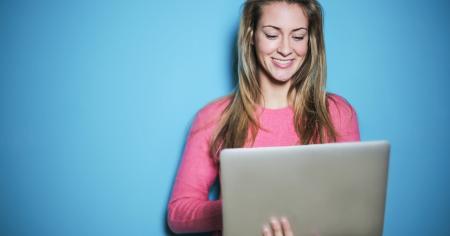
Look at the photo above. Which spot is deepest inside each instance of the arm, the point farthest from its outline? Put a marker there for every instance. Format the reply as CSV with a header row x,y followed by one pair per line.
x,y
189,209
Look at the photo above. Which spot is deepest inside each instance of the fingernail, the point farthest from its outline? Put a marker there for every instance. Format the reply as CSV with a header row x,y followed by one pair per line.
x,y
265,228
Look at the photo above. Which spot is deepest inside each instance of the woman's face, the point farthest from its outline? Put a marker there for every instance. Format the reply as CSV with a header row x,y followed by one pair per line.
x,y
281,40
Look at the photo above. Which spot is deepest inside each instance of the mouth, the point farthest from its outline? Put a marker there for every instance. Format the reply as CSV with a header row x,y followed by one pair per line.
x,y
282,63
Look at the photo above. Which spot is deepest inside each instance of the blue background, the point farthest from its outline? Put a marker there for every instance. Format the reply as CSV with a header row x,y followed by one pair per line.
x,y
96,99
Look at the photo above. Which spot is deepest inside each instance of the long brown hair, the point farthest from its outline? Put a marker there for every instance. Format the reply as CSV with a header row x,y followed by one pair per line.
x,y
238,125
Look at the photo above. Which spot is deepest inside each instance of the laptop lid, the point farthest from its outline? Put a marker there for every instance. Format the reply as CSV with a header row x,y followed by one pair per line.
x,y
323,189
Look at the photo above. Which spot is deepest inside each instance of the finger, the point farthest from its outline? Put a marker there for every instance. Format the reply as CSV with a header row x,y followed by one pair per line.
x,y
276,227
286,227
266,231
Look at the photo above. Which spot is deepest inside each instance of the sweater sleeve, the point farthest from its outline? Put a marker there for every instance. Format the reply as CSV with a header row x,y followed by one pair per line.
x,y
344,119
189,209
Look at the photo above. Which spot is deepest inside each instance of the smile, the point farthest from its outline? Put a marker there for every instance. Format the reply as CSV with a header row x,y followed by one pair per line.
x,y
282,63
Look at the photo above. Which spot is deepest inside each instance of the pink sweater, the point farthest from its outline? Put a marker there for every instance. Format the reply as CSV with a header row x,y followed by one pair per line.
x,y
189,209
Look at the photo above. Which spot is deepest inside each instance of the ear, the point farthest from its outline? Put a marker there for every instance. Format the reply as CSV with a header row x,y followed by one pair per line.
x,y
252,36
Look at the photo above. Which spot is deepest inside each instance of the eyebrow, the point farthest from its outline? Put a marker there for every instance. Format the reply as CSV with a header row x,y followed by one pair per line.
x,y
278,28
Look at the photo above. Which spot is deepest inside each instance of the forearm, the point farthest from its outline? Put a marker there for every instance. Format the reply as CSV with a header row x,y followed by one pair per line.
x,y
189,215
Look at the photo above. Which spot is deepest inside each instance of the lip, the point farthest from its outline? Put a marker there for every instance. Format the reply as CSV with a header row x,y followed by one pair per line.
x,y
282,63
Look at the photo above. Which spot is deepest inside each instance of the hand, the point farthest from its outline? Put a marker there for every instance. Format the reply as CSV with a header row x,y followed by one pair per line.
x,y
277,227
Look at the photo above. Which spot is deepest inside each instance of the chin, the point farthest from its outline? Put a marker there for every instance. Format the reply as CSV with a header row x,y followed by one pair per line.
x,y
282,77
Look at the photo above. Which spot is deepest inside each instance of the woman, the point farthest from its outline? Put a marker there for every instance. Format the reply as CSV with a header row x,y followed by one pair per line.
x,y
280,100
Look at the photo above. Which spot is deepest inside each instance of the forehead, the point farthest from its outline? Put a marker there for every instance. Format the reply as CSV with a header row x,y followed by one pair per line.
x,y
283,15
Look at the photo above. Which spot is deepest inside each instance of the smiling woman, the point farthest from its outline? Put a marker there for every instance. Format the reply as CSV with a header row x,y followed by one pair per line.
x,y
280,100
94,110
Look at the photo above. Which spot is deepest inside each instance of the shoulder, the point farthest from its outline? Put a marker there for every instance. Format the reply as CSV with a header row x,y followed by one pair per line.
x,y
214,109
343,117
338,106
209,115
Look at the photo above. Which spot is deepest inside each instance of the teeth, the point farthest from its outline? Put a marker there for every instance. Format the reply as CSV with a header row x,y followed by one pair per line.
x,y
283,62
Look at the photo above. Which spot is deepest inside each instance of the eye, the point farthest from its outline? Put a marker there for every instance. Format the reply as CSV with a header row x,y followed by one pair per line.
x,y
298,38
270,36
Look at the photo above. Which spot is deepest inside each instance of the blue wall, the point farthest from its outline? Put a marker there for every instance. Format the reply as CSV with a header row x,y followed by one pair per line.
x,y
96,98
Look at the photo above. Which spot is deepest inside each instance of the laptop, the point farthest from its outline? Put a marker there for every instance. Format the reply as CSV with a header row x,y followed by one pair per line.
x,y
323,189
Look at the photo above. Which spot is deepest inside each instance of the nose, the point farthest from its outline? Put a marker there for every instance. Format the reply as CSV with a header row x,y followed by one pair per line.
x,y
284,48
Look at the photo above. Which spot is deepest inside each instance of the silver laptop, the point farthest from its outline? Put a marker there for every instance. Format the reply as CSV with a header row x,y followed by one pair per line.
x,y
323,189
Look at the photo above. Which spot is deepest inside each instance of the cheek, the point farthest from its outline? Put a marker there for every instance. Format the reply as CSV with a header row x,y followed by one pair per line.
x,y
265,46
301,49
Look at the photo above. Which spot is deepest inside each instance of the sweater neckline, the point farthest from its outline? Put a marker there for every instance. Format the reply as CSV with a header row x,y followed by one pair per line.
x,y
262,109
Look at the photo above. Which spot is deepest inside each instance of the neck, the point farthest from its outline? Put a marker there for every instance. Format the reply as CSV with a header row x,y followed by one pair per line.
x,y
274,93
